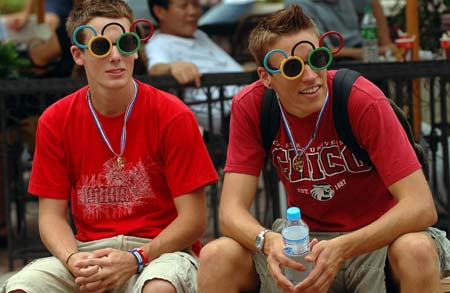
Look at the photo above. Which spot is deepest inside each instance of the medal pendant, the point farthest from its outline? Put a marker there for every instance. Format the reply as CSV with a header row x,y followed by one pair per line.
x,y
298,163
120,162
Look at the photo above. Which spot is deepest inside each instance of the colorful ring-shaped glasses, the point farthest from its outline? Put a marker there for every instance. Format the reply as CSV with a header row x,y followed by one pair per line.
x,y
127,43
292,66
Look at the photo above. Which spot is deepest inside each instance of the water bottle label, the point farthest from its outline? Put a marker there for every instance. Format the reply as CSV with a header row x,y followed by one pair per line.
x,y
297,246
369,33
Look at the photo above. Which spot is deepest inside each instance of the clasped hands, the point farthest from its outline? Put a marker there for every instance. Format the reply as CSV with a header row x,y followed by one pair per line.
x,y
102,269
326,256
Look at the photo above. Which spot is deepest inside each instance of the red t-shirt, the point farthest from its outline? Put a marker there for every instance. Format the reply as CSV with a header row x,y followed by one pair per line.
x,y
335,192
165,158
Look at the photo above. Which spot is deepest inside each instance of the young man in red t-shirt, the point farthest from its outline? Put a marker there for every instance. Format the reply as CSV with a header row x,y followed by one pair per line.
x,y
131,162
363,220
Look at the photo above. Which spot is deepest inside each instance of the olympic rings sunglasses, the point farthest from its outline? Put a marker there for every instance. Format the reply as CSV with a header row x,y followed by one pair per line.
x,y
292,66
127,43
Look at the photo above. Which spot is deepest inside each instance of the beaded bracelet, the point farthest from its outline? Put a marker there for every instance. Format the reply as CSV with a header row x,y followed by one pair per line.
x,y
139,259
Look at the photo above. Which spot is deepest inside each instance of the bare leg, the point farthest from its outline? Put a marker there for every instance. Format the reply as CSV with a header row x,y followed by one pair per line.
x,y
413,259
226,266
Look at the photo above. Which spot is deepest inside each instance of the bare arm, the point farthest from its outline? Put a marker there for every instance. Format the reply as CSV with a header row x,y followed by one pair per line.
x,y
354,53
54,229
185,230
183,72
382,25
236,221
384,38
413,212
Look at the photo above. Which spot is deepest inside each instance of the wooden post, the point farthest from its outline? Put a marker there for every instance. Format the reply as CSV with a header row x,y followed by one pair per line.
x,y
412,28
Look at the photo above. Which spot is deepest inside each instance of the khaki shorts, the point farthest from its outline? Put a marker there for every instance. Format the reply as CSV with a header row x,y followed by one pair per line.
x,y
50,275
363,273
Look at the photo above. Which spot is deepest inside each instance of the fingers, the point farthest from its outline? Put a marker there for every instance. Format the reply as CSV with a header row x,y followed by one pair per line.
x,y
279,278
275,264
101,252
185,73
197,80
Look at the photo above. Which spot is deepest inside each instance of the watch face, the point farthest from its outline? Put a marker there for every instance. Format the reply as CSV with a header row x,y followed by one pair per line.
x,y
259,241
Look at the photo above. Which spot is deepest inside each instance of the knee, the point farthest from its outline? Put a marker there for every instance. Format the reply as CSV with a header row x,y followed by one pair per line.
x,y
158,285
223,254
413,252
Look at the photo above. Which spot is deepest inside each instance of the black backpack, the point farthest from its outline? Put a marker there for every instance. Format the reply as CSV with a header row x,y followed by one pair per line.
x,y
342,85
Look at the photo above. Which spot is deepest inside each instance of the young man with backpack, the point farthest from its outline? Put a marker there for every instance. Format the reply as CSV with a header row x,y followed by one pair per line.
x,y
369,222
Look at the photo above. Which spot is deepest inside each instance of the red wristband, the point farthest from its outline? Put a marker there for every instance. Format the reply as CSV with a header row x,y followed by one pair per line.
x,y
143,255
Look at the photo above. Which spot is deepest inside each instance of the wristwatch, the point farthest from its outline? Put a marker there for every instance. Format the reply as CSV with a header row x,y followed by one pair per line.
x,y
259,241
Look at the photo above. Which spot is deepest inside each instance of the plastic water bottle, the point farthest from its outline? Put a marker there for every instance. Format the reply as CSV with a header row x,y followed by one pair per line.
x,y
296,244
369,36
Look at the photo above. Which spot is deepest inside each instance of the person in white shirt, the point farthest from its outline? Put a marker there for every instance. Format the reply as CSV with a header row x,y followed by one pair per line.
x,y
180,49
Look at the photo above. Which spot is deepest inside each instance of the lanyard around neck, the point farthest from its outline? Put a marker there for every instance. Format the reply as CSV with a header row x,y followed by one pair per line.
x,y
289,131
123,137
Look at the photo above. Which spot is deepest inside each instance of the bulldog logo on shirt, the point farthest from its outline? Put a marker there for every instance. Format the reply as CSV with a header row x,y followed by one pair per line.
x,y
322,192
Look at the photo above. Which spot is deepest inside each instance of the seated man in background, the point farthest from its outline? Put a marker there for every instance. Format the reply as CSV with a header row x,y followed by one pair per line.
x,y
180,49
344,16
131,162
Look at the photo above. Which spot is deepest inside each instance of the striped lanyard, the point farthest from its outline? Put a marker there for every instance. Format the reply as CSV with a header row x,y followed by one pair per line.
x,y
123,137
298,162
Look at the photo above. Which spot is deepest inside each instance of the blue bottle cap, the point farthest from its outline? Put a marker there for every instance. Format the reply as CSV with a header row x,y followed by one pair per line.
x,y
293,213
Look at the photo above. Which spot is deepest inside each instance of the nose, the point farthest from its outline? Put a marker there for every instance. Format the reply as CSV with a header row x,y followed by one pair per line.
x,y
115,55
308,73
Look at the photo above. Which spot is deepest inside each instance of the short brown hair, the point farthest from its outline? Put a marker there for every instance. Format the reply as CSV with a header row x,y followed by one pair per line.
x,y
284,22
84,11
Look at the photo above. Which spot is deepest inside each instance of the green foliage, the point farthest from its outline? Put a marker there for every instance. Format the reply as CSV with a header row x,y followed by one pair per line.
x,y
430,28
10,61
11,6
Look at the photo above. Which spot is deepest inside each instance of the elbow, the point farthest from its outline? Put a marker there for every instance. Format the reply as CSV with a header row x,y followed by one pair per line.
x,y
428,214
433,216
200,226
224,221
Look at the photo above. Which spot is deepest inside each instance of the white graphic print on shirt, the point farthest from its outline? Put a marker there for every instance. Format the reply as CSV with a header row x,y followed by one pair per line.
x,y
115,192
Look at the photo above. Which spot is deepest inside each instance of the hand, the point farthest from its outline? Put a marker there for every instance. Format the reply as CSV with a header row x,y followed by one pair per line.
x,y
185,72
276,260
112,268
382,50
328,259
79,270
16,21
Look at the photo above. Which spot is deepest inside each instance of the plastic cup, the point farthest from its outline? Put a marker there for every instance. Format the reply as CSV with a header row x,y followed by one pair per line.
x,y
405,48
445,45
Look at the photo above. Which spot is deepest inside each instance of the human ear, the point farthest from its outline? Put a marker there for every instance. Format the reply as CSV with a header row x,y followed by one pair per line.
x,y
264,76
77,55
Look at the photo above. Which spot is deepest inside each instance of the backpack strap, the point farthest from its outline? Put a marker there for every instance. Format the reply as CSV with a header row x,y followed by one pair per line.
x,y
270,119
342,85
418,148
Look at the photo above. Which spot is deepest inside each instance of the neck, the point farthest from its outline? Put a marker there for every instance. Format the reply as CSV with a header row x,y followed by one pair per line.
x,y
111,102
303,109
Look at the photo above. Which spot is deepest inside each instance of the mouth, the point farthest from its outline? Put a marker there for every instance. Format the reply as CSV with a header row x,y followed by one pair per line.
x,y
116,71
310,90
